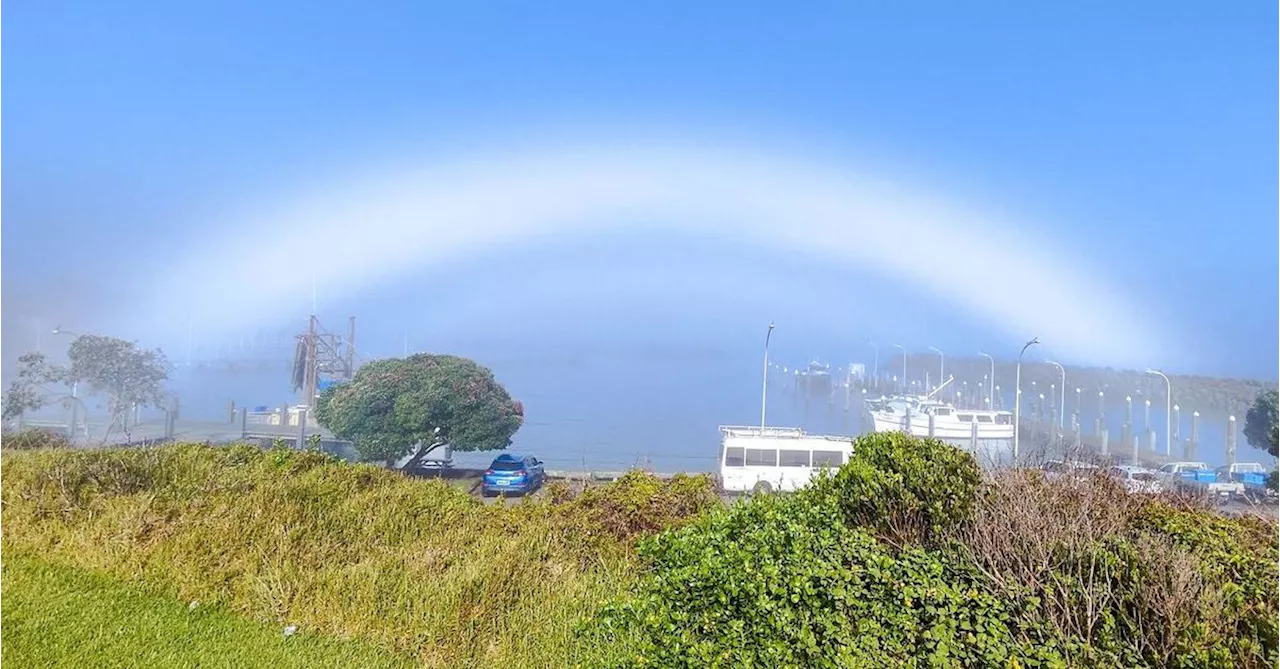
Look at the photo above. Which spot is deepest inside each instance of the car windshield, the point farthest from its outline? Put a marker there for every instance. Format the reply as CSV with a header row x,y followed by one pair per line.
x,y
506,465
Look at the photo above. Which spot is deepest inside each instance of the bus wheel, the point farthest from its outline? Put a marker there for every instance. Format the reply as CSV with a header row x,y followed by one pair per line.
x,y
762,488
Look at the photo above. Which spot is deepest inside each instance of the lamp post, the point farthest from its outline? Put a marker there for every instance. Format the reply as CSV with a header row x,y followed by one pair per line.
x,y
900,347
942,364
875,363
1017,396
991,383
1062,394
75,387
1168,411
764,385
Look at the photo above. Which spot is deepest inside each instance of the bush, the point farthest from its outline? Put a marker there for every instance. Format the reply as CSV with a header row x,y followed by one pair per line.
x,y
902,489
34,438
906,558
783,581
640,503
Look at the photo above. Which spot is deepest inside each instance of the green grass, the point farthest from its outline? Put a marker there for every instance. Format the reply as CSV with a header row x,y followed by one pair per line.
x,y
351,552
59,616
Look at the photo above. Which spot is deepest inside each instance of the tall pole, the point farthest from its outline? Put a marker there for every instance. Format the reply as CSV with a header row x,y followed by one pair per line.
x,y
1017,396
900,347
991,383
1168,410
1062,394
875,365
764,386
942,364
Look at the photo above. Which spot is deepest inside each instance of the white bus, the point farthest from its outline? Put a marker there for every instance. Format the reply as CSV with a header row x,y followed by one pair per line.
x,y
776,458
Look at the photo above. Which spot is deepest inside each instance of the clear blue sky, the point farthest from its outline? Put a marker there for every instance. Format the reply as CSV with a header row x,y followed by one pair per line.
x,y
1145,132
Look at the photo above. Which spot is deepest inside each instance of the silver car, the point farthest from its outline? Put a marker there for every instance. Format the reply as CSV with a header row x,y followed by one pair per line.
x,y
1136,479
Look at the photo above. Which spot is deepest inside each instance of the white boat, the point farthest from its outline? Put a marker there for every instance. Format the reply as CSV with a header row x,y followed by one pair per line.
x,y
925,417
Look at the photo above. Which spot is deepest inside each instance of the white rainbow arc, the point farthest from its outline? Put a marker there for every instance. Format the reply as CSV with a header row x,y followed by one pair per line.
x,y
394,224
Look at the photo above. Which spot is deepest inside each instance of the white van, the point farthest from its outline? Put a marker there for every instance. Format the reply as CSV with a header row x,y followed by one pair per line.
x,y
776,458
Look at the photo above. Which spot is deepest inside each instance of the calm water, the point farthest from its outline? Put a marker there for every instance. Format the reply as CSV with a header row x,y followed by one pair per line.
x,y
608,413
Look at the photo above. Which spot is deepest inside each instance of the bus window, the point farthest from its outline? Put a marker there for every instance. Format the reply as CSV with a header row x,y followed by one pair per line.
x,y
964,418
733,456
942,411
762,457
1004,419
793,458
983,418
828,458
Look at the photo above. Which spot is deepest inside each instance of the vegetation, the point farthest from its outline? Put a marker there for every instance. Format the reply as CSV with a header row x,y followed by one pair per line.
x,y
419,403
348,551
1260,423
871,567
129,376
57,616
907,556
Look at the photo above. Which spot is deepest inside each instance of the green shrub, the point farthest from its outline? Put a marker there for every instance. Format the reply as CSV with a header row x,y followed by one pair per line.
x,y
640,503
906,557
783,581
903,489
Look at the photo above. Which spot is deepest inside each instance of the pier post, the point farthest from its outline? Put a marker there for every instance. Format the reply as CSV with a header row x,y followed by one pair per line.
x,y
1231,440
1126,430
244,423
302,429
1104,441
1193,444
973,437
931,426
1176,437
1135,449
1146,426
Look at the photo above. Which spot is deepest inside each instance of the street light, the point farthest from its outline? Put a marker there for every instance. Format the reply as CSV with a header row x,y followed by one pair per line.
x,y
875,364
1168,411
991,385
942,364
764,386
1017,396
900,347
75,387
1062,403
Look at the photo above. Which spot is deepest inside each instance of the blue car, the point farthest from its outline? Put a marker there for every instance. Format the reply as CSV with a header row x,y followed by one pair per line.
x,y
512,474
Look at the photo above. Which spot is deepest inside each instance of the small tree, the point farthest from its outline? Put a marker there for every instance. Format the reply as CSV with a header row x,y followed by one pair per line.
x,y
126,374
1260,426
401,405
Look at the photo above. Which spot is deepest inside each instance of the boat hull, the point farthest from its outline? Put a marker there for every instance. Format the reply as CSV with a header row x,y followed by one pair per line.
x,y
949,430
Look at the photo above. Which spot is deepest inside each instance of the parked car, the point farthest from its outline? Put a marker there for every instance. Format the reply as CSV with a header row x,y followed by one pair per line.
x,y
1250,474
1136,479
512,474
1068,469
1198,476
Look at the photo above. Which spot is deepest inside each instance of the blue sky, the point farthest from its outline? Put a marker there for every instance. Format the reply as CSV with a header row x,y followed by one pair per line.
x,y
1139,138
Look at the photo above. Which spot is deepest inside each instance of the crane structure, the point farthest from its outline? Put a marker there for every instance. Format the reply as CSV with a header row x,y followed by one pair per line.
x,y
321,356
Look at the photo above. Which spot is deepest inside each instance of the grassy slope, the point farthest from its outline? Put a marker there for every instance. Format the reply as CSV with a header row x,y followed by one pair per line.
x,y
58,616
346,551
